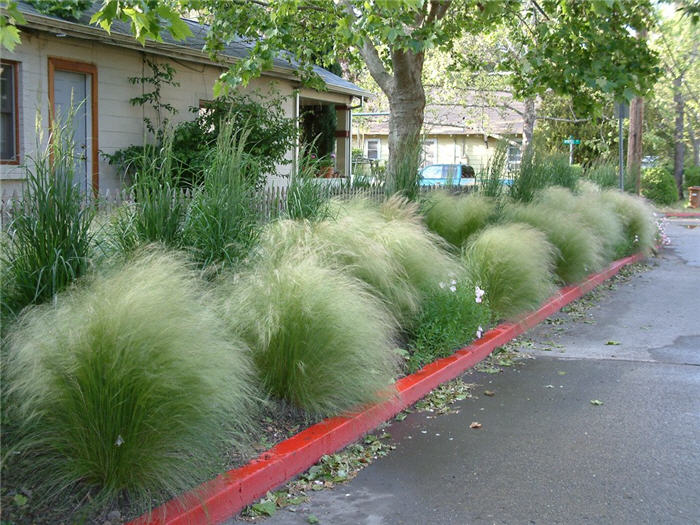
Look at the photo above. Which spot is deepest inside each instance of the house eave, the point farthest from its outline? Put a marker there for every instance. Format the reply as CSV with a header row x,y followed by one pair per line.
x,y
57,26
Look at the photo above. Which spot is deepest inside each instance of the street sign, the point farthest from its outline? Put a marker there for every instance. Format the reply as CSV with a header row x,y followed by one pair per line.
x,y
572,141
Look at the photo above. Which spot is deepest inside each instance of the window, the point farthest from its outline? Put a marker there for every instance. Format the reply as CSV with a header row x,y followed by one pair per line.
x,y
9,109
514,157
374,149
429,152
432,172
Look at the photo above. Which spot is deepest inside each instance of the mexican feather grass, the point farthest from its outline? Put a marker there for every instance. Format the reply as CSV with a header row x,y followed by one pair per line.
x,y
128,386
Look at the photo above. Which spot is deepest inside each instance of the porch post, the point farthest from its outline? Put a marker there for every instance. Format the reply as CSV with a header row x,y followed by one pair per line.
x,y
343,158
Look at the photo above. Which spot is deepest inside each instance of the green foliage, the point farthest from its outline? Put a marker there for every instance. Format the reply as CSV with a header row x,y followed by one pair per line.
x,y
449,318
659,186
9,34
128,386
224,219
48,239
271,134
456,217
67,9
319,340
159,206
491,180
637,222
405,177
161,74
513,264
579,251
691,176
538,172
593,213
307,196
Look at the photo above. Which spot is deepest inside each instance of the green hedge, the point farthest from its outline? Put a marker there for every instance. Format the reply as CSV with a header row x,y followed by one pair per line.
x,y
659,186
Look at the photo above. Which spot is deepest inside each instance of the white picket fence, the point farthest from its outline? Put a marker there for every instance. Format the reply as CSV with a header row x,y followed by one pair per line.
x,y
273,202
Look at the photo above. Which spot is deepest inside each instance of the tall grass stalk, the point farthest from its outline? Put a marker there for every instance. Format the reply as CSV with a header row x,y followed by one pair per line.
x,y
513,264
491,179
538,172
159,207
48,240
404,179
579,251
128,386
456,217
307,195
225,217
320,341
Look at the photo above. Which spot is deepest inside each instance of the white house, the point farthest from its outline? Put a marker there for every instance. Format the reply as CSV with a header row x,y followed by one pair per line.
x,y
58,59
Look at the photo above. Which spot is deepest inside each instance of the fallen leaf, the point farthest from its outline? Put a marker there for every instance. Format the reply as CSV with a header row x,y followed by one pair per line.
x,y
267,507
475,425
561,373
613,343
596,402
312,519
549,386
489,393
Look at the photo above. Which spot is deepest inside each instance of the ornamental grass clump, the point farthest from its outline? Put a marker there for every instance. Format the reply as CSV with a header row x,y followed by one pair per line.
x,y
637,222
456,217
593,213
514,264
579,252
129,386
320,341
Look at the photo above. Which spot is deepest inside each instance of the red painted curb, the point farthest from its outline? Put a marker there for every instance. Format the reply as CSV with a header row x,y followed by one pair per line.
x,y
681,214
227,494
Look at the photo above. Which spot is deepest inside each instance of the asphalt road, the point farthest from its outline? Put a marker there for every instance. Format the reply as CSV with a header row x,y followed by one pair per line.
x,y
545,454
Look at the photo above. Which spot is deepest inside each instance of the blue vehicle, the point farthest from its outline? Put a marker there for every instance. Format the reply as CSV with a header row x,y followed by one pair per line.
x,y
447,175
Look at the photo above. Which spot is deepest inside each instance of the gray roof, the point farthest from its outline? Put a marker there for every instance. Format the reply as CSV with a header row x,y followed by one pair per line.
x,y
237,49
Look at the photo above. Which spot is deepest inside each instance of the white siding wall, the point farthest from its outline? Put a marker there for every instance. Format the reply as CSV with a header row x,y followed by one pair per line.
x,y
120,123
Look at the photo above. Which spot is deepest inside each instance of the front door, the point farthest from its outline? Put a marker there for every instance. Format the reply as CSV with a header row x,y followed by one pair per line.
x,y
72,99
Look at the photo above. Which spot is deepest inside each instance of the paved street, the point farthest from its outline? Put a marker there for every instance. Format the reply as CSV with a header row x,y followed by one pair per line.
x,y
545,454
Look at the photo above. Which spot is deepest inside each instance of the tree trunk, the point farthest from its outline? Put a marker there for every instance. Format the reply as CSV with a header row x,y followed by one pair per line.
x,y
694,141
407,106
529,119
679,148
634,141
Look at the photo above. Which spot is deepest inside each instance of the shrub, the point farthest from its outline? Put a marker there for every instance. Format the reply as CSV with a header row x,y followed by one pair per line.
x,y
128,386
691,176
405,178
659,186
491,180
307,196
224,217
579,252
513,264
593,213
456,217
48,239
450,317
319,340
606,175
637,222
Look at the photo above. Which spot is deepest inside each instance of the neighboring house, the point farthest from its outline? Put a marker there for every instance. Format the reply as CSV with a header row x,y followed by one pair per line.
x,y
59,61
453,134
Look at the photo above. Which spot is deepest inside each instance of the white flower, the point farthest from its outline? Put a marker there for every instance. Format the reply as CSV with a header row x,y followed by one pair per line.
x,y
453,282
479,332
442,285
120,441
479,294
453,288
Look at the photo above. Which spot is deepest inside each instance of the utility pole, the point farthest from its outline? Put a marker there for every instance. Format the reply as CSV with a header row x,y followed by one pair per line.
x,y
634,140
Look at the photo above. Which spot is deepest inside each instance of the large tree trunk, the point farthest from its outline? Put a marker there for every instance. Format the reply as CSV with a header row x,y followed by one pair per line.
x,y
694,139
406,105
679,147
529,119
634,141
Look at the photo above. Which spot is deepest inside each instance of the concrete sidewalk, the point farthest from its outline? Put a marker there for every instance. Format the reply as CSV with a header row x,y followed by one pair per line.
x,y
545,454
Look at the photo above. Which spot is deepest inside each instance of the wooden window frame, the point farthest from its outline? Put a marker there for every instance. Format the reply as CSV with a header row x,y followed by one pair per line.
x,y
63,64
379,148
15,75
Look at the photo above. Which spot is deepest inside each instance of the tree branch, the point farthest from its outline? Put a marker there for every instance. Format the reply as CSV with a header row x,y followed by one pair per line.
x,y
371,56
